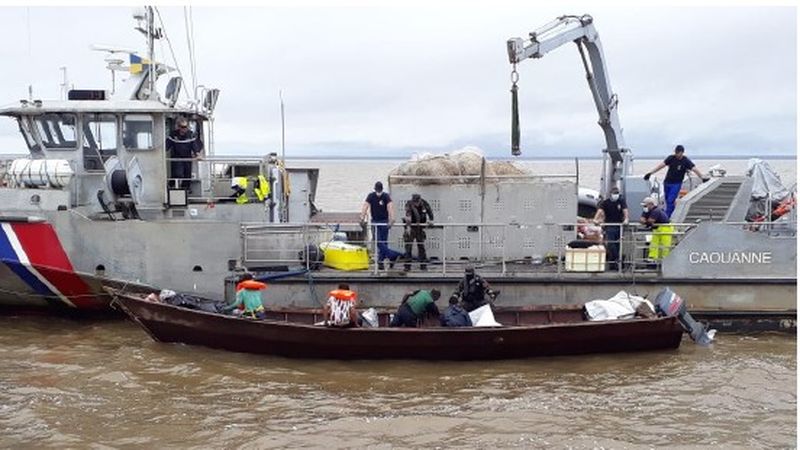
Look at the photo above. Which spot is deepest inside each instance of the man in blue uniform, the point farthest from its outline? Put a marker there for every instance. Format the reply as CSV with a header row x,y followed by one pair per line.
x,y
381,210
678,165
183,144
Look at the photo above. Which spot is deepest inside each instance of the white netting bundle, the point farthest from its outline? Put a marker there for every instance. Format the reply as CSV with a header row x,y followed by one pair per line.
x,y
464,162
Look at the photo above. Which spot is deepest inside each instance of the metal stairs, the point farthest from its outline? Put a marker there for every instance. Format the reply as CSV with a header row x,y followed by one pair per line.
x,y
713,205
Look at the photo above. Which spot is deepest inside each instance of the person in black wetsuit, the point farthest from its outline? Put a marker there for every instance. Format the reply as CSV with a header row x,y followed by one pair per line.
x,y
472,290
418,213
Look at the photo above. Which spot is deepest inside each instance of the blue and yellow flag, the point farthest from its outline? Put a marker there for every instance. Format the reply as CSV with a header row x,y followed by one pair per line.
x,y
138,64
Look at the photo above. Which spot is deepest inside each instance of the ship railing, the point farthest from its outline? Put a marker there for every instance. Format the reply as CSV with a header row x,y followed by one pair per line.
x,y
641,250
210,176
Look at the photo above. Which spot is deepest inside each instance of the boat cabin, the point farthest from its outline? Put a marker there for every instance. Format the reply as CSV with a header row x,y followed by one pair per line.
x,y
109,157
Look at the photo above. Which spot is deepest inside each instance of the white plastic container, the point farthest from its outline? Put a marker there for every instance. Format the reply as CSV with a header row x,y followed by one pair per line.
x,y
585,259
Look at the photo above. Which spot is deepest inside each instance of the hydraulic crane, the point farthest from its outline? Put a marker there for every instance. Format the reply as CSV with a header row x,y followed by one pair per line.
x,y
617,159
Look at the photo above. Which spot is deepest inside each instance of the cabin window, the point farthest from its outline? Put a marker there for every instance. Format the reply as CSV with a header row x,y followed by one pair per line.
x,y
27,133
137,132
99,140
57,131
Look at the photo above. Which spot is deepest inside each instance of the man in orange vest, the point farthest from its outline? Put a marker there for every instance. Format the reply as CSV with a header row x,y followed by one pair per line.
x,y
340,309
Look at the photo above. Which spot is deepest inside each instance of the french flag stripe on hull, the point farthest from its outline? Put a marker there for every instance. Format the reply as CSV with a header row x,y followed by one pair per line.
x,y
38,250
9,255
44,249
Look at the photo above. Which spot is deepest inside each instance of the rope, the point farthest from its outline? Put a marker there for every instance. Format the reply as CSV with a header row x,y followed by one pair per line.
x,y
46,297
172,51
312,289
190,44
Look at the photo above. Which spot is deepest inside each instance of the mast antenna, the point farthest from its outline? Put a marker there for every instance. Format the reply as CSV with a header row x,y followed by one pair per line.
x,y
283,128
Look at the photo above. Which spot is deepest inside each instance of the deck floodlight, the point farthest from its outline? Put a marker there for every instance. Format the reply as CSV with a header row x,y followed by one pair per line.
x,y
210,100
173,90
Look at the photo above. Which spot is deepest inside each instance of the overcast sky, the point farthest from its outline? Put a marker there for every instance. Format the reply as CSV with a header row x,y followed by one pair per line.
x,y
392,81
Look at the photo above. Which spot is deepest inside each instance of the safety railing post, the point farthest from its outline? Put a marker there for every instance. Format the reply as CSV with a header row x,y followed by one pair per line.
x,y
503,250
559,261
305,247
444,250
243,229
375,248
618,262
480,242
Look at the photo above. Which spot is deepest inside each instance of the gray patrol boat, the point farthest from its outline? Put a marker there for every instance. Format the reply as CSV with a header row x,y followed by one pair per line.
x,y
96,203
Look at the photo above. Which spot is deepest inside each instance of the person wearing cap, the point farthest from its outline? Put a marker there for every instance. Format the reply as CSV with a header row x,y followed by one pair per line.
x,y
472,290
678,165
182,146
612,212
654,218
379,204
418,212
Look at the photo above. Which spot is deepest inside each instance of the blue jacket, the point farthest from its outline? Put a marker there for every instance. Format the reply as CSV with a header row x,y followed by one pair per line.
x,y
455,316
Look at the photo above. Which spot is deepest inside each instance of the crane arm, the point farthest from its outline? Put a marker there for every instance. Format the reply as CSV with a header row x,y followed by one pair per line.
x,y
617,159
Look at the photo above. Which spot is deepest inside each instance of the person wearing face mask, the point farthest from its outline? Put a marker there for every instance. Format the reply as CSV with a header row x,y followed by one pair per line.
x,y
379,204
656,219
472,290
678,165
612,212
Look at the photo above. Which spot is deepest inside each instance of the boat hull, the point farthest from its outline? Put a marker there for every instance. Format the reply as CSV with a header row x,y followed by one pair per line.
x,y
166,323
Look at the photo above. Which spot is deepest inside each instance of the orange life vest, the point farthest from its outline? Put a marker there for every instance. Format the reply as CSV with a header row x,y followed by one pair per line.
x,y
784,207
252,285
343,295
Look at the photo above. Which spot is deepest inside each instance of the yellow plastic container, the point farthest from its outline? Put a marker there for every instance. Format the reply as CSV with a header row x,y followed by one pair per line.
x,y
585,260
344,256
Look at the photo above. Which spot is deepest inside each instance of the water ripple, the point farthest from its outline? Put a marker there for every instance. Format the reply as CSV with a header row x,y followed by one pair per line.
x,y
80,385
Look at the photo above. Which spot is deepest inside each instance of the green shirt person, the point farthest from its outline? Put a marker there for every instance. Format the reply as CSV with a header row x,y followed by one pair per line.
x,y
414,307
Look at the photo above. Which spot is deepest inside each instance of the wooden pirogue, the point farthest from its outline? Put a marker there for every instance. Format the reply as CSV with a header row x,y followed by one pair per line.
x,y
531,332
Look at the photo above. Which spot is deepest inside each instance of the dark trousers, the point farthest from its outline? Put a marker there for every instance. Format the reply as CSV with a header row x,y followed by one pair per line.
x,y
416,233
404,317
613,236
182,171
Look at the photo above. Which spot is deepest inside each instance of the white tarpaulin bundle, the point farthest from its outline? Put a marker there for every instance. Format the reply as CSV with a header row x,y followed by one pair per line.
x,y
766,181
483,317
620,306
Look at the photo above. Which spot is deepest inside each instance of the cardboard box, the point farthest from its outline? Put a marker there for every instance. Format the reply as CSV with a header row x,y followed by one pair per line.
x,y
585,259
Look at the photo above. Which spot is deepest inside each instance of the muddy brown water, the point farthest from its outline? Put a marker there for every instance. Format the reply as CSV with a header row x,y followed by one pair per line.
x,y
93,384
